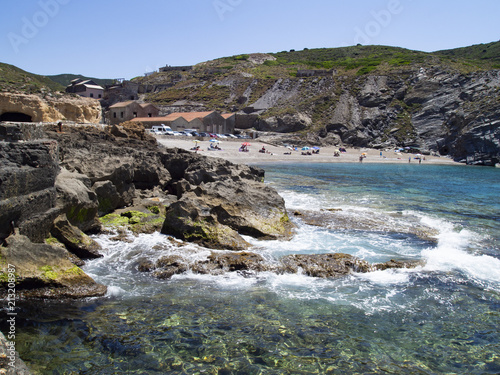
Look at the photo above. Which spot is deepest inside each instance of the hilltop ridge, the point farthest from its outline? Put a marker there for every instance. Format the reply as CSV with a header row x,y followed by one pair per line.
x,y
364,96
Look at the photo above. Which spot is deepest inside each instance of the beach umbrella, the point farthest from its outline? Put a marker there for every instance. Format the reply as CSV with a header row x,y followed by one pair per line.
x,y
213,140
196,141
305,148
245,144
315,148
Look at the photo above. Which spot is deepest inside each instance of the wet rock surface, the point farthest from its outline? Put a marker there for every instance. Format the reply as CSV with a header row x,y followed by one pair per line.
x,y
44,271
62,186
330,266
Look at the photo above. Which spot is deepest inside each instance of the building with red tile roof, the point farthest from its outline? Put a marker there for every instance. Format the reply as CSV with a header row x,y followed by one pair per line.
x,y
210,122
126,111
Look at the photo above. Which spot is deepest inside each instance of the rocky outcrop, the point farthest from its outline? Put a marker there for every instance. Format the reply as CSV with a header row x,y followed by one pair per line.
x,y
44,271
74,239
324,265
27,188
218,201
51,108
329,266
60,187
435,110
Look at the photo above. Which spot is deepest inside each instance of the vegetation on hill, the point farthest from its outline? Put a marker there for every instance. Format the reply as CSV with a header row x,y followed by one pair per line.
x,y
485,55
231,83
13,79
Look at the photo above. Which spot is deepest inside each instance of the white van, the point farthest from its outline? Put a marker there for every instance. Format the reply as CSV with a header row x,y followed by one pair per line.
x,y
162,129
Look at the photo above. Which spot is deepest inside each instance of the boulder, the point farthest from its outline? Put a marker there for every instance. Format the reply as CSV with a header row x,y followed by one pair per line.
x,y
108,197
216,263
323,265
75,240
242,261
77,200
43,271
218,201
191,220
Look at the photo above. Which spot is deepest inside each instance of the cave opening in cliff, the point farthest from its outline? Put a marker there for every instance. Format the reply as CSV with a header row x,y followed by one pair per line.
x,y
15,117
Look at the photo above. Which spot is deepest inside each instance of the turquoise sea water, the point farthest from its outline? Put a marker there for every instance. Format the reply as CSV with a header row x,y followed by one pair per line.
x,y
439,318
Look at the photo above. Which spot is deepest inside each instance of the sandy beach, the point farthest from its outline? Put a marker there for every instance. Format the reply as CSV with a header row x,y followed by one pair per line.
x,y
277,154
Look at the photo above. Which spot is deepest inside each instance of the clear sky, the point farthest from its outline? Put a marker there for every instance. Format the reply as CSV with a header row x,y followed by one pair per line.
x,y
127,38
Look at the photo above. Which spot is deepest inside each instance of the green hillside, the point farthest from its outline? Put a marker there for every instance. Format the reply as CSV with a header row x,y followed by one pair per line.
x,y
486,55
245,81
65,79
13,79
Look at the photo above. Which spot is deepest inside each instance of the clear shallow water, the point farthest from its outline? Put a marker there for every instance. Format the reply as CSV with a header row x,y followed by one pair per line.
x,y
442,317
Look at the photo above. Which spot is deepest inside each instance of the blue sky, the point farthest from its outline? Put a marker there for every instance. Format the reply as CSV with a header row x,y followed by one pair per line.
x,y
126,38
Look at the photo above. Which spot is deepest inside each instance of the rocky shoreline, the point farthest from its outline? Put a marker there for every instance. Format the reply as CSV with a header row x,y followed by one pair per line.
x,y
78,181
55,190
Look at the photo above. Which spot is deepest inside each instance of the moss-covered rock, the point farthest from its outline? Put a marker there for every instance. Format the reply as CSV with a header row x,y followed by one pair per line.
x,y
43,271
135,221
74,239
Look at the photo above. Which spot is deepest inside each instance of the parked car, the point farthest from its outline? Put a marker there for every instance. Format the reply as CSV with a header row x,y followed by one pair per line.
x,y
161,129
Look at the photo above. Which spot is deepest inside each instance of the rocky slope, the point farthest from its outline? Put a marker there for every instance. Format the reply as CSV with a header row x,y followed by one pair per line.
x,y
371,96
58,188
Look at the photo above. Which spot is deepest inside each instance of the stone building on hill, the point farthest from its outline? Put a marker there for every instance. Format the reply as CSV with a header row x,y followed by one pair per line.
x,y
86,88
126,111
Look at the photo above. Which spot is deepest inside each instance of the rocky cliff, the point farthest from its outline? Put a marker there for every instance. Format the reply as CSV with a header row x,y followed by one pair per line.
x,y
50,108
372,96
434,110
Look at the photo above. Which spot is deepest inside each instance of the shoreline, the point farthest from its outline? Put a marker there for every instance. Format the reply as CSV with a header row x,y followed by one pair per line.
x,y
276,154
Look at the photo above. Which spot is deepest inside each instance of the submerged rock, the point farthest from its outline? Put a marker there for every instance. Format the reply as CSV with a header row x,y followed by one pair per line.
x,y
216,263
10,362
332,265
398,264
323,265
43,271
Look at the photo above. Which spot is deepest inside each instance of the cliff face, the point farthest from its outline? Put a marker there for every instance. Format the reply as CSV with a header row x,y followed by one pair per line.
x,y
362,96
51,109
453,114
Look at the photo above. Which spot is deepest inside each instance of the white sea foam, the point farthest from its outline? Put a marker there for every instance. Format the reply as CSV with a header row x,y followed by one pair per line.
x,y
452,253
387,277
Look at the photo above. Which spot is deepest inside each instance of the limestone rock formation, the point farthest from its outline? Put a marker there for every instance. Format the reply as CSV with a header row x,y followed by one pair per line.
x,y
51,108
74,239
